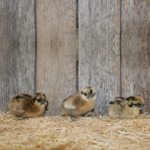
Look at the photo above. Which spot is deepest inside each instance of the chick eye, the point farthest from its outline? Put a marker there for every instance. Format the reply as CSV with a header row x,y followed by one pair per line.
x,y
93,94
85,94
111,102
39,100
138,104
34,100
130,105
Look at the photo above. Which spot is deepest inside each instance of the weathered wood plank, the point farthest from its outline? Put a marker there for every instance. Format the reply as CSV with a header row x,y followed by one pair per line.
x,y
136,48
99,48
17,49
56,50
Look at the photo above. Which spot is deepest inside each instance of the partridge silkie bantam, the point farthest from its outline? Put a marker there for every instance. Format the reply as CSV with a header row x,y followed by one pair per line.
x,y
23,105
79,103
129,107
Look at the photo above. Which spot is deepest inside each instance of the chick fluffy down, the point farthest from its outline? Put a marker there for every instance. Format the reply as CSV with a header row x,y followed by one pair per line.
x,y
129,107
79,103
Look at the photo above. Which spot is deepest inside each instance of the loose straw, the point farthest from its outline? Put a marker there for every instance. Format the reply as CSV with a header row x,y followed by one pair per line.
x,y
56,133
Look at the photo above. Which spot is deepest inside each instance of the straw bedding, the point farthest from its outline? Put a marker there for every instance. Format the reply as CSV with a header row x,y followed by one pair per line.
x,y
56,133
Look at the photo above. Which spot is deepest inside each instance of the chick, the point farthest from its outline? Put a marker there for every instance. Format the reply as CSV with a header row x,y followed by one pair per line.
x,y
23,105
79,103
132,107
114,108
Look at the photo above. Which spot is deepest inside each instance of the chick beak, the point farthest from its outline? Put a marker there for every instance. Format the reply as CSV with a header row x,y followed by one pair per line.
x,y
90,95
44,102
143,106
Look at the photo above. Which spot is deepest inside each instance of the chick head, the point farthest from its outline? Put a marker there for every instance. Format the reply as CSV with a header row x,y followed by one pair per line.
x,y
88,93
135,102
40,99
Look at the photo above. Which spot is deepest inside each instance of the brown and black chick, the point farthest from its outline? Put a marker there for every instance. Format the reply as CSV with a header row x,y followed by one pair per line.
x,y
114,108
79,104
129,107
132,107
23,105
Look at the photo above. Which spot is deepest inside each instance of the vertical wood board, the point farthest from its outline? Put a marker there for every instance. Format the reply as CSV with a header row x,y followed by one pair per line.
x,y
17,49
99,48
56,51
135,48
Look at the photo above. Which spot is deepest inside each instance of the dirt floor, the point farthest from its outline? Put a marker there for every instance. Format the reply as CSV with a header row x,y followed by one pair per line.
x,y
56,133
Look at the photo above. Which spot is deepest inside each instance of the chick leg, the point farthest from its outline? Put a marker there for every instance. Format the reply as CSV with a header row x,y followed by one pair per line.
x,y
95,112
19,118
88,114
69,118
74,118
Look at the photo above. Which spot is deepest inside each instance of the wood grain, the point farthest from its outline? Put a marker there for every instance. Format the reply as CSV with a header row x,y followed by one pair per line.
x,y
56,51
136,49
99,48
17,49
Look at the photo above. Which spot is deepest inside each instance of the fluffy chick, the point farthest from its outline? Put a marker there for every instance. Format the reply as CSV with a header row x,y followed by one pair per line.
x,y
23,105
129,107
79,103
132,107
114,108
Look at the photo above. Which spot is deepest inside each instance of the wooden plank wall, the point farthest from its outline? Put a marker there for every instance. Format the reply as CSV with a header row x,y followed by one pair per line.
x,y
17,49
114,53
56,50
99,48
135,49
116,62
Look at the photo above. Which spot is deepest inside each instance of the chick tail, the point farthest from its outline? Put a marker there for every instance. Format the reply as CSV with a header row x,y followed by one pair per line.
x,y
22,96
6,110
